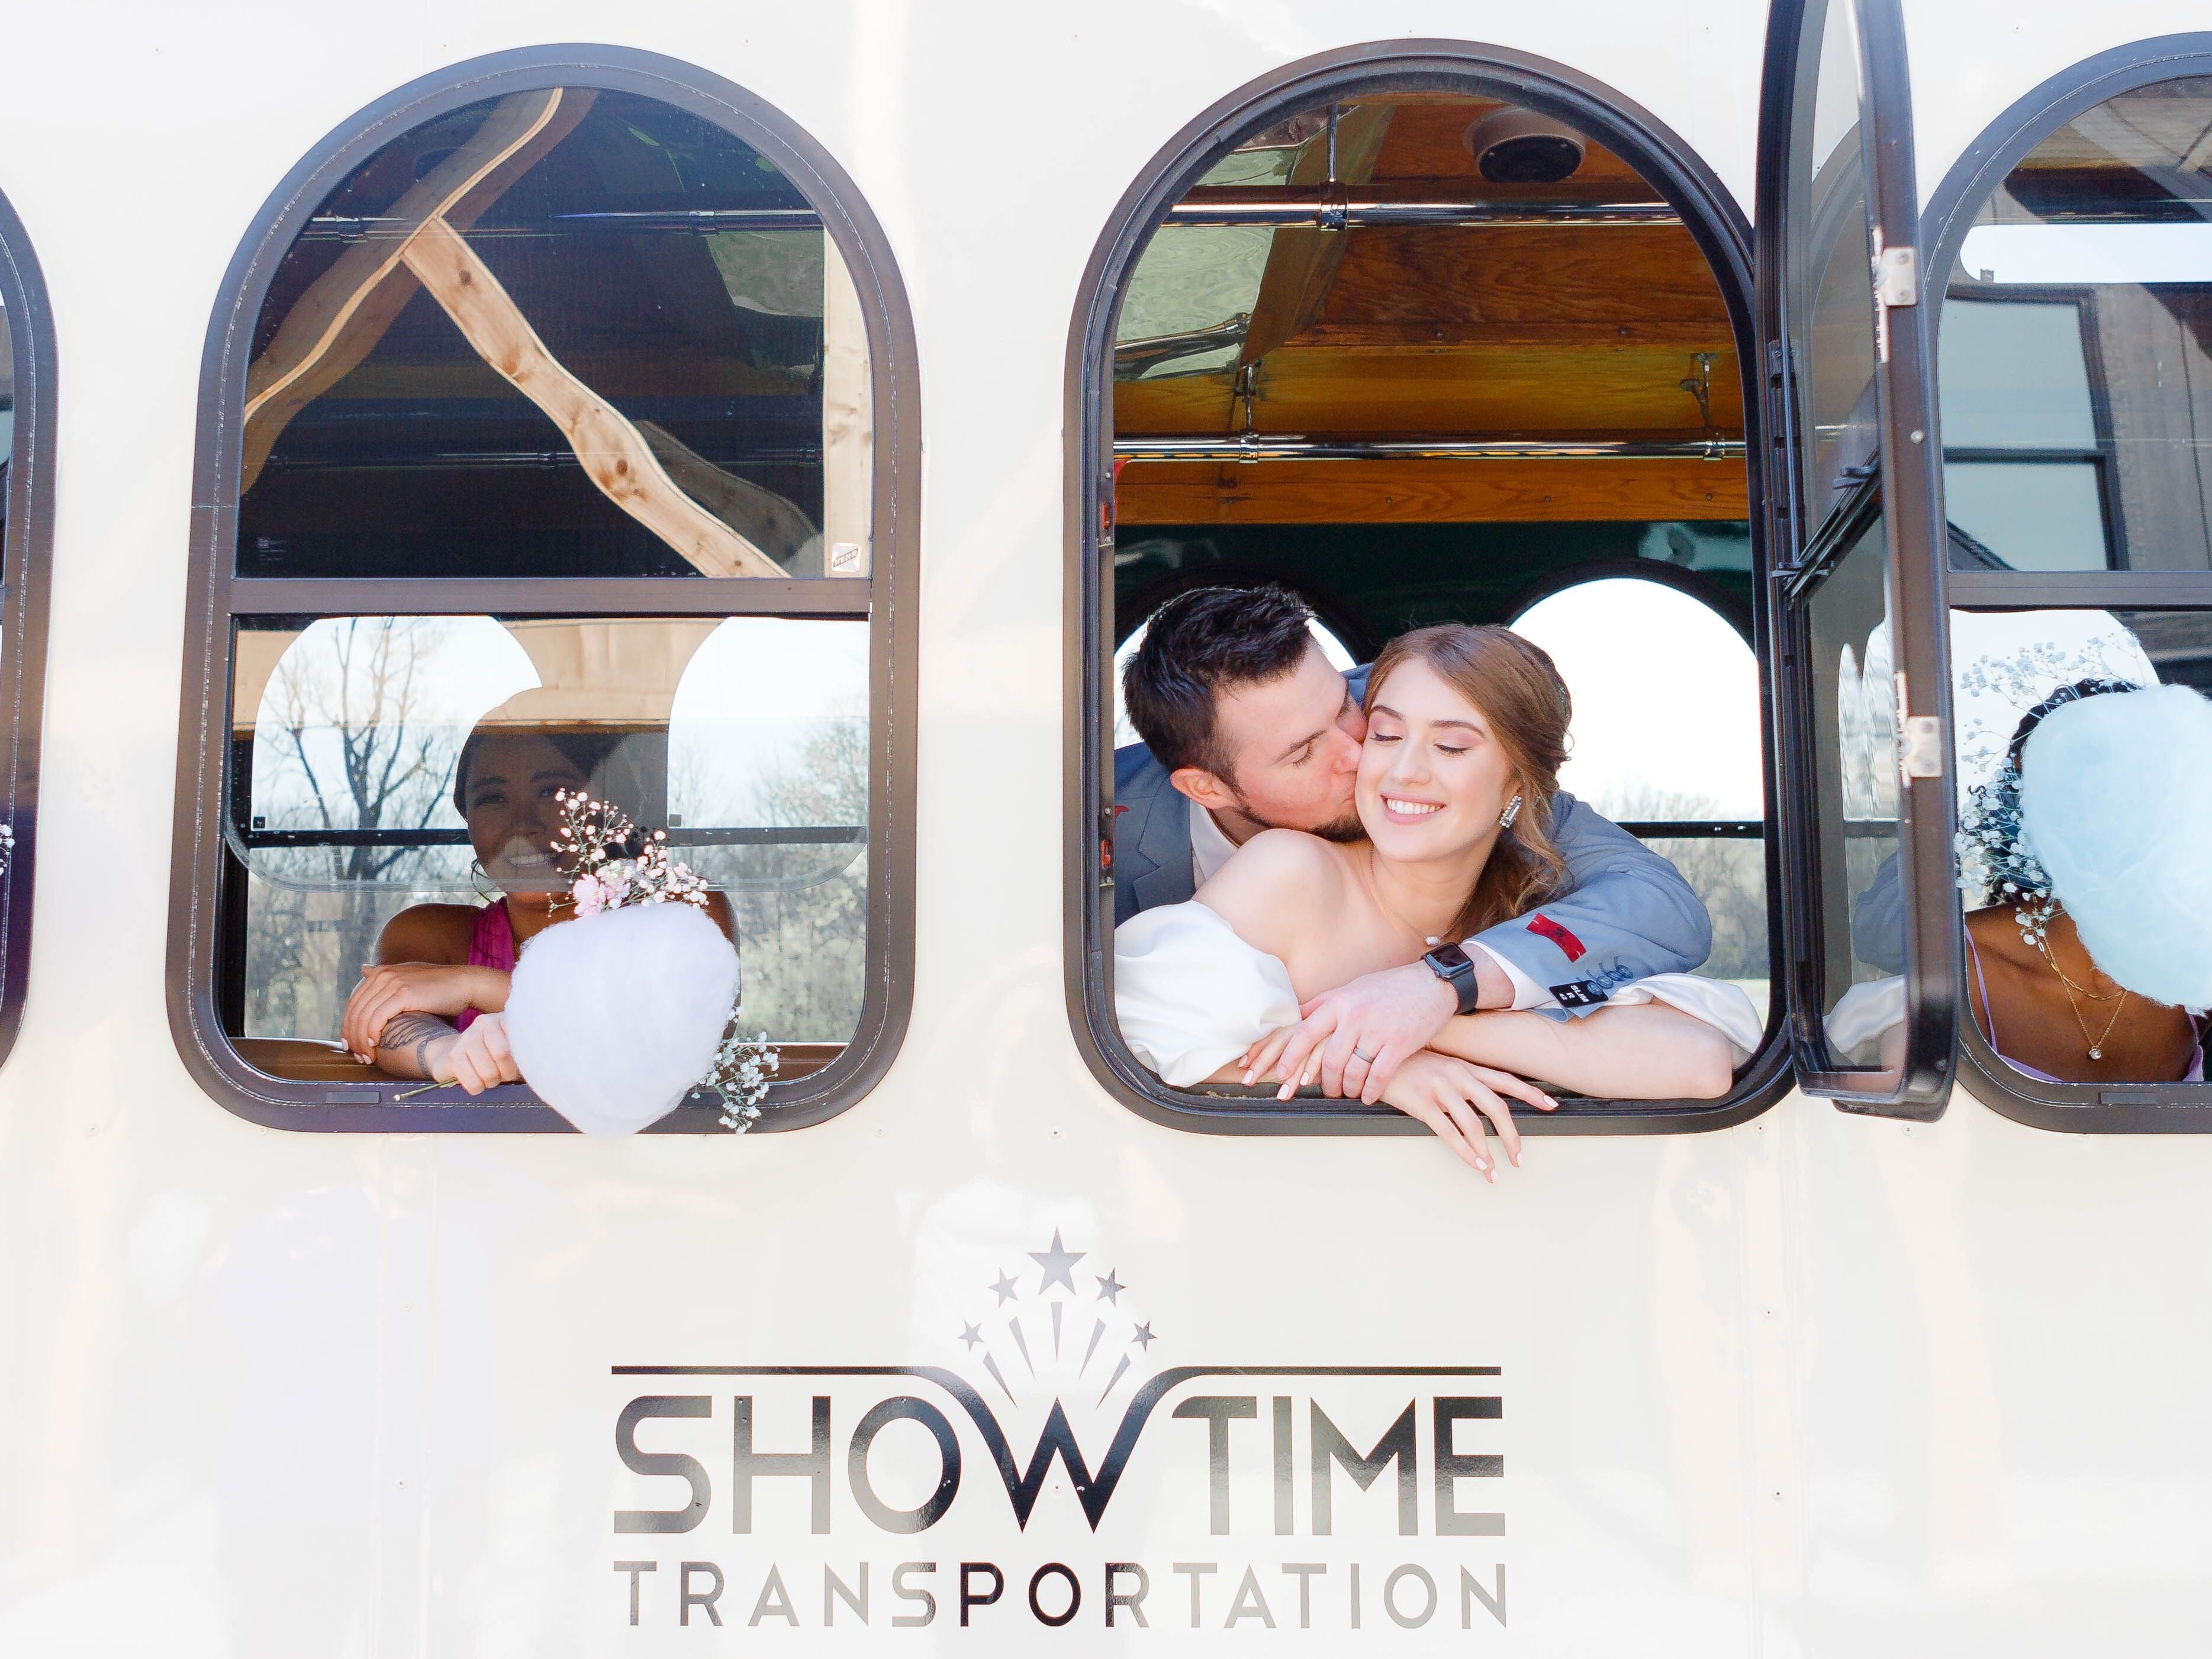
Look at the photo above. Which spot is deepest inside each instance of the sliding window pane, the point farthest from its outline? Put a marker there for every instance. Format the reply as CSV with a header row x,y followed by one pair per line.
x,y
384,763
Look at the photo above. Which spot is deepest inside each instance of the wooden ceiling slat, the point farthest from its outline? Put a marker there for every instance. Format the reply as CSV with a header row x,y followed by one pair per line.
x,y
1429,492
1517,274
1472,391
1686,333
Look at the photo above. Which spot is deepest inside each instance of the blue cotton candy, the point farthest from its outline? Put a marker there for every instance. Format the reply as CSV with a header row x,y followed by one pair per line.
x,y
2116,800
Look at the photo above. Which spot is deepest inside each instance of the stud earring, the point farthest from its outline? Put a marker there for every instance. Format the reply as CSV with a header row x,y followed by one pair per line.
x,y
1512,811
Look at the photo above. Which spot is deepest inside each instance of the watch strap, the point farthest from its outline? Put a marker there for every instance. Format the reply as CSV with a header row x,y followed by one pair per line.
x,y
1452,964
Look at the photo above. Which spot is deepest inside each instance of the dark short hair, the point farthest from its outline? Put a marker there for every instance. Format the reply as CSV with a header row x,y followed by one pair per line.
x,y
1198,644
585,751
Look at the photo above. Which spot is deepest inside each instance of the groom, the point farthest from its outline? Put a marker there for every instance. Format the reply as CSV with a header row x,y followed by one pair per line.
x,y
1246,728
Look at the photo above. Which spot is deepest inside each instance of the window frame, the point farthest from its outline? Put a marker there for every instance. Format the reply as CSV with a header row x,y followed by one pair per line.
x,y
25,563
217,596
1724,235
2069,1107
1811,542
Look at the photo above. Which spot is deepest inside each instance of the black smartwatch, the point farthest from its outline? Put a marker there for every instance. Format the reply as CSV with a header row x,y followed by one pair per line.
x,y
1456,969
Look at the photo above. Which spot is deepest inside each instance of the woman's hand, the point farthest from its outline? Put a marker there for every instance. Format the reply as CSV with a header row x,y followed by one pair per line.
x,y
415,988
1453,1096
477,1058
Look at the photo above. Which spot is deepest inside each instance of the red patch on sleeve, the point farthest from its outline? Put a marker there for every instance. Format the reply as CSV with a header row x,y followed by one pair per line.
x,y
1543,924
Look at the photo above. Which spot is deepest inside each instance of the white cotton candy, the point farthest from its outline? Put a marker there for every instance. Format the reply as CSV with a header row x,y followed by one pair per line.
x,y
613,1018
2115,801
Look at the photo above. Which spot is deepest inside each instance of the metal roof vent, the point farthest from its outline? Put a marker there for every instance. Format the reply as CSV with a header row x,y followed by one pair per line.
x,y
1520,146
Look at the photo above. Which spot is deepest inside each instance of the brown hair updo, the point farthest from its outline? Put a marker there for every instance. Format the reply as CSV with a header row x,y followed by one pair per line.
x,y
1519,692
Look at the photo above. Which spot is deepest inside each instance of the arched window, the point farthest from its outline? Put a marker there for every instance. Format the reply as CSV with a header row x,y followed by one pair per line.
x,y
1416,334
557,428
2074,351
27,424
1667,743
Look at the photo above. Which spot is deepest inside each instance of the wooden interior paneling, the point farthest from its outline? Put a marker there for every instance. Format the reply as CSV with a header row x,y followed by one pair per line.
x,y
1427,492
1467,332
1302,263
1526,274
1462,391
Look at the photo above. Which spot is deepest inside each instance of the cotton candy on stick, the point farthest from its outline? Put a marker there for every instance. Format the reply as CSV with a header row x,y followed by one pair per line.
x,y
2116,803
614,1018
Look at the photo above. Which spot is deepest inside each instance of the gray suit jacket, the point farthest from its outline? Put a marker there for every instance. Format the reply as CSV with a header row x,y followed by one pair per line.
x,y
1629,914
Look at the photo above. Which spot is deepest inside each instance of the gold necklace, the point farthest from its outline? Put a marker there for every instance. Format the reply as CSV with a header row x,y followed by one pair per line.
x,y
2096,1045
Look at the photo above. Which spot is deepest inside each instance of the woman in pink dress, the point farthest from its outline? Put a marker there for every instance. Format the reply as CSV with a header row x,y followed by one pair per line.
x,y
439,967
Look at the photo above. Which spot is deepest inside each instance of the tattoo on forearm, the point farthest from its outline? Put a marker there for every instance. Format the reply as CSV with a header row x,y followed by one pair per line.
x,y
403,1033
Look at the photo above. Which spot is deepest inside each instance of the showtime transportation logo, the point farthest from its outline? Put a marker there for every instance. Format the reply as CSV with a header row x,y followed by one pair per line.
x,y
1059,1478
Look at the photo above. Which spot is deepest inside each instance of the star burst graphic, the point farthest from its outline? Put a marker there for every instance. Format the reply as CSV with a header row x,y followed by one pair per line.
x,y
1060,1324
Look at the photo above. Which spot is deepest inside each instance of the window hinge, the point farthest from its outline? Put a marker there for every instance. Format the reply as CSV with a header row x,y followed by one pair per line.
x,y
1919,740
1897,275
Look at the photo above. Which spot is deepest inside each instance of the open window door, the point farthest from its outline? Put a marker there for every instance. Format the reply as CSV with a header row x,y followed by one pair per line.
x,y
1862,671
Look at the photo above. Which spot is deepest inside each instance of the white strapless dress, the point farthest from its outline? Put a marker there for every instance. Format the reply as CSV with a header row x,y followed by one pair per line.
x,y
1192,996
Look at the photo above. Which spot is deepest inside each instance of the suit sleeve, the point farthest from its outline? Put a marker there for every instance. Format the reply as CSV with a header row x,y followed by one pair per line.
x,y
1628,915
1878,921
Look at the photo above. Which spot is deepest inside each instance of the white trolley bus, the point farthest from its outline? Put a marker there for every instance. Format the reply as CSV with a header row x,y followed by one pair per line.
x,y
792,421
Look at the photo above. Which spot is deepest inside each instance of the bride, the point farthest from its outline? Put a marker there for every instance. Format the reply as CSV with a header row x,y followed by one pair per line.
x,y
1467,728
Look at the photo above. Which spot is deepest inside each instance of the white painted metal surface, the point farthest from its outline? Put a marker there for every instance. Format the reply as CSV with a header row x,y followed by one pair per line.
x,y
1815,1385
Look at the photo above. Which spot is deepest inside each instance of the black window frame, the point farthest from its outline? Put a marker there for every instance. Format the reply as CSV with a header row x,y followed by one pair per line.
x,y
216,597
26,562
1724,235
2072,1107
1904,489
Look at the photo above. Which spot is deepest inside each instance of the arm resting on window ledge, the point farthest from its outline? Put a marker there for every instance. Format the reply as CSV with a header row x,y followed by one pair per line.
x,y
412,1044
1646,1052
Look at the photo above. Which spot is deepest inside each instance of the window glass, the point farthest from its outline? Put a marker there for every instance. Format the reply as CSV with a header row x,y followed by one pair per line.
x,y
2043,514
1861,958
1832,312
7,393
2075,336
1666,739
1188,309
2084,740
385,761
565,332
1692,751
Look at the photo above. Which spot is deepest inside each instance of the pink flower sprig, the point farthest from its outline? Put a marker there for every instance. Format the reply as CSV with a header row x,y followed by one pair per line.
x,y
590,845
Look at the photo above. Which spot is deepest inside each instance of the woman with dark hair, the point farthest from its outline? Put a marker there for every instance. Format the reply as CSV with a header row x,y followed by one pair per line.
x,y
2066,870
439,967
1467,728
